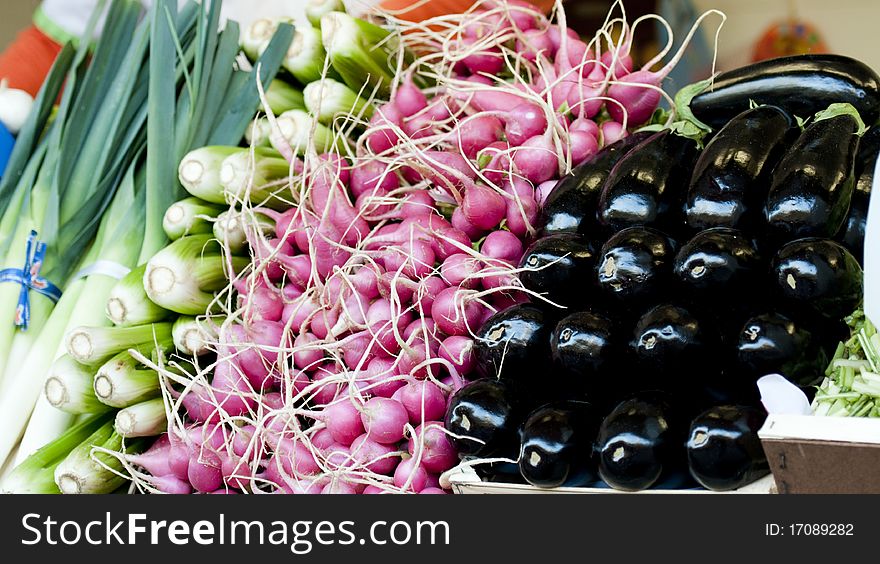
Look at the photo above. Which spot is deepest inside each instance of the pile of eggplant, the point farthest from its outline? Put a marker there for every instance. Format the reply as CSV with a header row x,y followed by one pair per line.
x,y
673,278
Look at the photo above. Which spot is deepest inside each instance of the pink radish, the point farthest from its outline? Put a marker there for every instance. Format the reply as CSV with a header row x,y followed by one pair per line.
x,y
524,121
459,270
409,99
408,473
375,456
476,133
455,312
483,207
438,454
536,159
458,350
423,400
502,245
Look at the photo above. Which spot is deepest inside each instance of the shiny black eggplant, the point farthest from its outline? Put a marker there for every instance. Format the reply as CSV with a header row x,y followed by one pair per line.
x,y
514,345
800,84
571,206
483,418
635,264
729,182
812,186
586,347
852,236
723,449
556,445
641,442
560,267
719,262
772,343
674,346
818,275
647,187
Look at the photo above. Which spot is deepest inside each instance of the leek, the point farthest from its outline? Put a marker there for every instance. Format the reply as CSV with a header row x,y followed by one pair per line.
x,y
328,98
193,336
183,276
36,474
299,130
199,172
128,303
96,345
316,9
145,419
69,387
121,382
359,51
255,175
283,97
229,228
85,469
188,217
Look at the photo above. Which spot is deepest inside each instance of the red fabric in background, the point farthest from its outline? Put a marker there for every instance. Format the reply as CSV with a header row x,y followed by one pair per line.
x,y
26,62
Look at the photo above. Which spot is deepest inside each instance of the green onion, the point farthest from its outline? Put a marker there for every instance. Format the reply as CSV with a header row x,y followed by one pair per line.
x,y
250,173
258,133
326,99
316,9
188,217
359,52
36,474
257,36
194,336
199,172
298,129
145,419
128,303
85,469
229,228
283,97
121,382
183,276
305,57
69,387
96,345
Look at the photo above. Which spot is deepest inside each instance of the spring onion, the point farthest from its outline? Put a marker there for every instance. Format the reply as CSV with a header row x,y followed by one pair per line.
x,y
183,276
69,387
90,469
229,228
258,133
36,474
326,99
305,58
298,129
128,303
145,419
188,217
121,382
193,336
282,97
257,35
256,175
199,172
96,345
315,9
359,51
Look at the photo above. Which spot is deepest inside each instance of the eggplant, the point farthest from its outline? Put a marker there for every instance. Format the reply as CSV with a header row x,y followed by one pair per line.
x,y
559,267
571,205
852,235
811,187
723,449
641,442
635,265
647,187
719,261
819,276
585,346
483,418
729,183
513,345
800,84
556,445
673,346
772,343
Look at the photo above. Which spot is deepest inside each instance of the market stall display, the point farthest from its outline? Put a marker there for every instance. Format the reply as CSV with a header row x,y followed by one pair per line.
x,y
369,255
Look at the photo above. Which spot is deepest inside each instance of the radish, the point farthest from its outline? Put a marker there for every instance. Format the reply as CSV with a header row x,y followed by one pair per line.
x,y
296,458
585,124
381,135
204,472
156,459
449,240
322,439
305,354
535,42
432,490
483,207
543,191
339,487
384,420
459,351
502,245
375,456
476,133
524,121
438,454
410,477
379,377
326,393
612,132
409,99
461,223
342,419
370,175
455,312
522,209
459,271
536,159
170,485
487,61
554,33
423,401
581,146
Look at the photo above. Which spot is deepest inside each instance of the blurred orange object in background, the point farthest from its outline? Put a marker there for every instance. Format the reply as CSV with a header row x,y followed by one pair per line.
x,y
790,37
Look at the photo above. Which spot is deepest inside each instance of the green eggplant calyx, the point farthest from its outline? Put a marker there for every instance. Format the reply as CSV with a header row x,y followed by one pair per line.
x,y
839,109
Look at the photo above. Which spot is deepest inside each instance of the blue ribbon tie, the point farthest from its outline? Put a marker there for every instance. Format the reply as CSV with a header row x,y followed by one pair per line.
x,y
29,279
